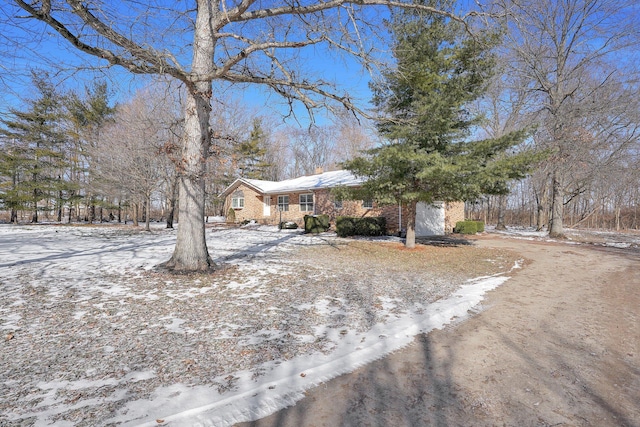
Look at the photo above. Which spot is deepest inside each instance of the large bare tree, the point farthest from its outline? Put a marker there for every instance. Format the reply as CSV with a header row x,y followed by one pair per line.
x,y
130,158
571,53
200,42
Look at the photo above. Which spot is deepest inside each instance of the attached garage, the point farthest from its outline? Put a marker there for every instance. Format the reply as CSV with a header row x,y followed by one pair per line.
x,y
270,202
430,219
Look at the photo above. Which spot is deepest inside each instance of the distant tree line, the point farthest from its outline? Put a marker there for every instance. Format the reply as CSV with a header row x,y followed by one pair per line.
x,y
75,156
562,82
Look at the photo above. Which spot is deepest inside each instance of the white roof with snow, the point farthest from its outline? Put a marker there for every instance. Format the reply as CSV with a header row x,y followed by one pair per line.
x,y
303,183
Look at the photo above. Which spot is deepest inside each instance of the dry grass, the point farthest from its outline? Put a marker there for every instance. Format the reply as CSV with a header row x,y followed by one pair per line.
x,y
458,261
200,329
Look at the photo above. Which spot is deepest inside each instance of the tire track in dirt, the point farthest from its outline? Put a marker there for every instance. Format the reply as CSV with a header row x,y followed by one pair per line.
x,y
557,345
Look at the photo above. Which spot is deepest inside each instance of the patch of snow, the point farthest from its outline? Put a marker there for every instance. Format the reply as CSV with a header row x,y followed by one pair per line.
x,y
618,245
284,383
60,265
307,183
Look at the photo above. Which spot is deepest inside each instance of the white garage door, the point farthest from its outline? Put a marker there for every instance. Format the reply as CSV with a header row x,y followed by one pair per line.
x,y
429,219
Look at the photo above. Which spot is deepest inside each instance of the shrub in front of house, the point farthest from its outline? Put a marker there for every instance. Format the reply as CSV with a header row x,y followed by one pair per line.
x,y
367,226
231,216
316,223
480,226
467,227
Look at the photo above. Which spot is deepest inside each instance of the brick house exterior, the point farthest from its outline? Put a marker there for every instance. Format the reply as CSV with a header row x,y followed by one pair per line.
x,y
269,202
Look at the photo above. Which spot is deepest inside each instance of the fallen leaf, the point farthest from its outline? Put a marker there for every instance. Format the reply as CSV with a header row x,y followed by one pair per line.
x,y
8,337
159,421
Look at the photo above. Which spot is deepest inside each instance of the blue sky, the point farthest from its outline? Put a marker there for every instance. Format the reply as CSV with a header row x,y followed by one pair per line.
x,y
38,47
26,44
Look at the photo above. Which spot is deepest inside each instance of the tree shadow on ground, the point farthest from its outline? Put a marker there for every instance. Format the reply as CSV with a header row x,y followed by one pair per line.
x,y
525,369
420,389
444,241
388,392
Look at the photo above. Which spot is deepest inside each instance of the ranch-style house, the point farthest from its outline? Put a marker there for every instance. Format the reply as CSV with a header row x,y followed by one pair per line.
x,y
270,202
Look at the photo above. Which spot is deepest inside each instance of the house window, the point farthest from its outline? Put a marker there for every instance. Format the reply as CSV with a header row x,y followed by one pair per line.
x,y
283,203
306,202
337,204
237,200
367,204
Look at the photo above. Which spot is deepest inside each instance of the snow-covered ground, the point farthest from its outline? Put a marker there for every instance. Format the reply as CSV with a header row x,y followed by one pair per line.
x,y
93,335
623,240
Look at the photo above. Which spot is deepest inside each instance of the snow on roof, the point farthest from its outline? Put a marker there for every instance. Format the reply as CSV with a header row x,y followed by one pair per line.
x,y
303,183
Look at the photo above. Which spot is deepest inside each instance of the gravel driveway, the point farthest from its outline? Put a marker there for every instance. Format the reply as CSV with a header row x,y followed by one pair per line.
x,y
556,345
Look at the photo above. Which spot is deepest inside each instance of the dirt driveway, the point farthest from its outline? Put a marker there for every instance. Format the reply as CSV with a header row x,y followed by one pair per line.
x,y
557,345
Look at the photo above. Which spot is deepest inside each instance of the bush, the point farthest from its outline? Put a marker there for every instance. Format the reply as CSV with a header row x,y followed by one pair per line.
x,y
367,226
231,216
316,223
287,225
480,226
466,227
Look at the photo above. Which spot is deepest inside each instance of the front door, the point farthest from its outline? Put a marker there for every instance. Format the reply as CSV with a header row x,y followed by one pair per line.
x,y
266,210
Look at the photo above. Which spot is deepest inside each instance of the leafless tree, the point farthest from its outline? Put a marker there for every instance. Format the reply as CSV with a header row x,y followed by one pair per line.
x,y
228,42
165,110
352,136
231,123
505,108
310,148
570,51
130,156
277,151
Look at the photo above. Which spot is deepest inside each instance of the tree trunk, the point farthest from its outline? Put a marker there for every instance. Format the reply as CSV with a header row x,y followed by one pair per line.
x,y
135,214
487,212
410,241
14,216
557,208
541,206
147,214
172,202
191,253
60,205
34,217
502,207
70,210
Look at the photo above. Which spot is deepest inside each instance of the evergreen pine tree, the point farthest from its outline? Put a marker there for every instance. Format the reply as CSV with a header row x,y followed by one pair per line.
x,y
251,153
13,167
34,160
430,156
86,116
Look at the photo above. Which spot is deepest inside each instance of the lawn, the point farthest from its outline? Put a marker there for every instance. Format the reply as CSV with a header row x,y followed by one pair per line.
x,y
95,335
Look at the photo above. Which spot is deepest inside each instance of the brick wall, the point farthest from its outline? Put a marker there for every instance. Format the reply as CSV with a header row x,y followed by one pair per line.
x,y
254,207
252,204
453,212
324,204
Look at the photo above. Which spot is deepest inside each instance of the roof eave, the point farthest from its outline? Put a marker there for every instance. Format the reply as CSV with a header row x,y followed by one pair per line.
x,y
307,189
236,183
